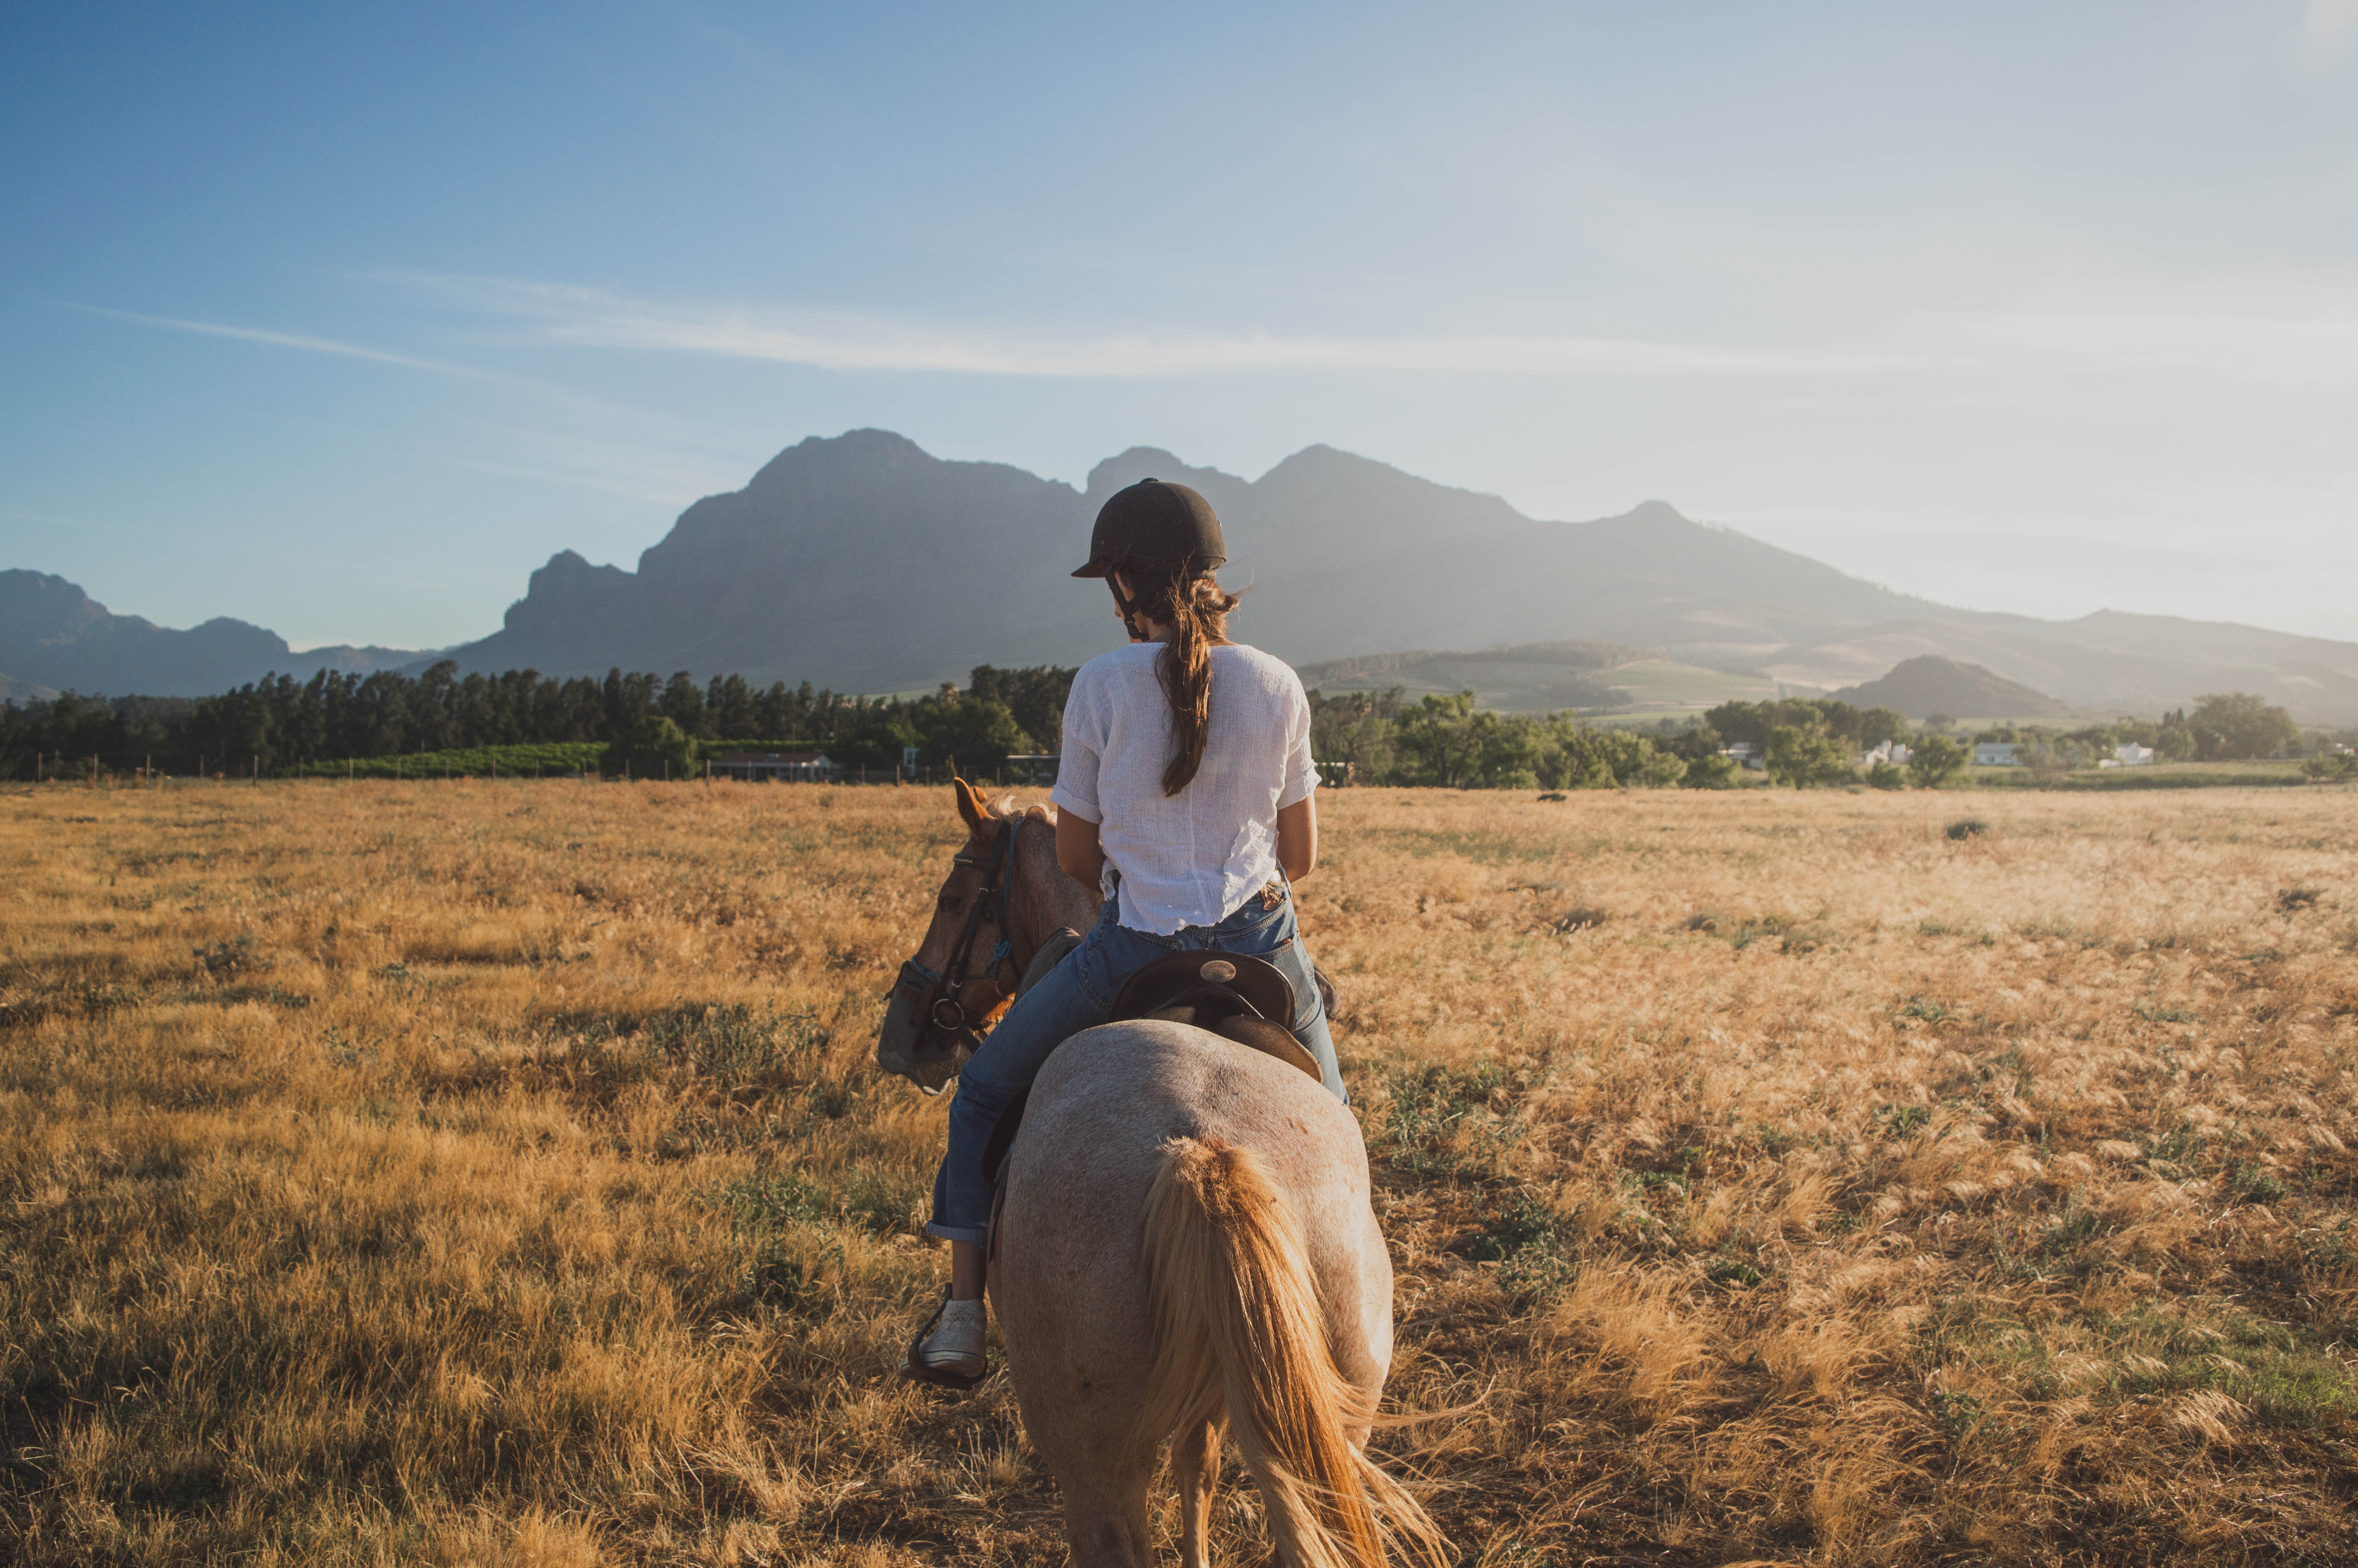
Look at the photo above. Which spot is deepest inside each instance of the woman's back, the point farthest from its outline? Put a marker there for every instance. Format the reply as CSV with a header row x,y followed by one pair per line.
x,y
1191,858
1186,783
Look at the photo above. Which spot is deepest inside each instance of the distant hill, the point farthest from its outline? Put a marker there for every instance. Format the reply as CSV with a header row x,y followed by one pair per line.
x,y
1546,677
15,690
1929,684
864,563
54,635
2106,662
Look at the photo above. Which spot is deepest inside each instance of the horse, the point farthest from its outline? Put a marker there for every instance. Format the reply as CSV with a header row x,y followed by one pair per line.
x,y
1184,1243
1004,881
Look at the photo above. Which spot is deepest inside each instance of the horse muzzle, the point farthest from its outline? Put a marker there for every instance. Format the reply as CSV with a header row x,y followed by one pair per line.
x,y
916,1048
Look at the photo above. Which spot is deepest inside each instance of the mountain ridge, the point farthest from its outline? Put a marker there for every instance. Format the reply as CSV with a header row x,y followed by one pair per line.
x,y
54,635
862,562
814,570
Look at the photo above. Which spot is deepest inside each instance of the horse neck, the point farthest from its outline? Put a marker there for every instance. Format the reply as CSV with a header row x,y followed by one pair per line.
x,y
1044,897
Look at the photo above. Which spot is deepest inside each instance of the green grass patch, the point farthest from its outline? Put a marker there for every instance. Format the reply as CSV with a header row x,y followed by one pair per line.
x,y
556,759
2269,1368
1441,1120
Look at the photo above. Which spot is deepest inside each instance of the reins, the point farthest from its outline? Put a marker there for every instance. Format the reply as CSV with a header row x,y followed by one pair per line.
x,y
939,1009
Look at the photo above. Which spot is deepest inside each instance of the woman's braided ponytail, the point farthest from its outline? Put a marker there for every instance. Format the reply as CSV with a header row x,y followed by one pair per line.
x,y
1196,610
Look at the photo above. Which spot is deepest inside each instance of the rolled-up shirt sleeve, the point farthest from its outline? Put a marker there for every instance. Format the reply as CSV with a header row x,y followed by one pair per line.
x,y
1083,749
1300,769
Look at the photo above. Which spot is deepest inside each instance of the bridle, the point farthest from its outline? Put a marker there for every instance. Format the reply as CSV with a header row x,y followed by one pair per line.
x,y
938,1008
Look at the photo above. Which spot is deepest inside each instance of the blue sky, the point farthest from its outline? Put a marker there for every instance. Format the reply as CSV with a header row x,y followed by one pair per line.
x,y
342,321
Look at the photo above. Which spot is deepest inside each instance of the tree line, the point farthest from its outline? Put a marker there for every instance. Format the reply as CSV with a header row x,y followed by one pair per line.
x,y
650,725
280,724
1801,742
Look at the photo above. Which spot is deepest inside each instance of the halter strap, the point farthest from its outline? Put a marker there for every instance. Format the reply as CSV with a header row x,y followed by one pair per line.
x,y
939,1009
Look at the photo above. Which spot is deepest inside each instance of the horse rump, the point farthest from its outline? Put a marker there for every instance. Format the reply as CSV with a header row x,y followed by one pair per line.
x,y
1238,1332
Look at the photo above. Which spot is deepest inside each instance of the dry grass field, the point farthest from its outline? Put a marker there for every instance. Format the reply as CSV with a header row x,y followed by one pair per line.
x,y
495,1173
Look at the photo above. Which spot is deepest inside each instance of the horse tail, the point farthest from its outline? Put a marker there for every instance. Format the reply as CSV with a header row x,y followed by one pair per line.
x,y
1238,1331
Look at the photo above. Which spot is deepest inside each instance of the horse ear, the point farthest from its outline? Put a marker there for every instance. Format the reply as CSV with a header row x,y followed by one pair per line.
x,y
970,805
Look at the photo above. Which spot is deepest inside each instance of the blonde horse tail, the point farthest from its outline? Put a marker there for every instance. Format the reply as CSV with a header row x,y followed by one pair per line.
x,y
1238,1331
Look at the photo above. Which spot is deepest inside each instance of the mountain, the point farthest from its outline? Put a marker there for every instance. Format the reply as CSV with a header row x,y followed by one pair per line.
x,y
1929,683
864,563
52,634
15,690
860,563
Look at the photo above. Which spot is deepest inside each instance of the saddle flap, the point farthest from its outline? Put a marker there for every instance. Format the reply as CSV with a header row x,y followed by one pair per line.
x,y
1270,1040
1216,985
1051,954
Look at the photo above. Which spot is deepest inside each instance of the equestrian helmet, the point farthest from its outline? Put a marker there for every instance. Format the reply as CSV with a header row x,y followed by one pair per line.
x,y
1156,525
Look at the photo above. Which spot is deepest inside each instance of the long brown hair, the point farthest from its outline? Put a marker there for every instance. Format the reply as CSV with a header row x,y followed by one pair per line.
x,y
1196,610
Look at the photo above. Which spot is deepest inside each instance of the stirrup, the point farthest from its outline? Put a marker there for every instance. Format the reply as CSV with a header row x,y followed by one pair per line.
x,y
913,1365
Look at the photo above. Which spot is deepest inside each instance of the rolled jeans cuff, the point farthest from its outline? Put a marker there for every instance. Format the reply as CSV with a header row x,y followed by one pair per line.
x,y
957,1232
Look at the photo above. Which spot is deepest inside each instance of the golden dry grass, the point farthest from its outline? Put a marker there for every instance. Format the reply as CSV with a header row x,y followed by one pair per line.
x,y
494,1173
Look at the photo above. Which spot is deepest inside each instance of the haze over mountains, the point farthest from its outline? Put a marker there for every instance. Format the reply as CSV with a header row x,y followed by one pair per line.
x,y
1929,683
53,636
863,563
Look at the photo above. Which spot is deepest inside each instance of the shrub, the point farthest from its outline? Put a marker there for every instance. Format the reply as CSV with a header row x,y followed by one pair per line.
x,y
2236,724
1935,760
1718,771
1801,757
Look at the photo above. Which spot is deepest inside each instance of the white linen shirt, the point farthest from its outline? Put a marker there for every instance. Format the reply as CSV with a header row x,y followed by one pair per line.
x,y
1190,858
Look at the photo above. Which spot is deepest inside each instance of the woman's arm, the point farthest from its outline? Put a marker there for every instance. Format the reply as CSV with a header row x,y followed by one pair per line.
x,y
1077,849
1297,838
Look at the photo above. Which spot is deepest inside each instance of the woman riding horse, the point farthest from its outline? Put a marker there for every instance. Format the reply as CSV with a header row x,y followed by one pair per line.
x,y
1184,797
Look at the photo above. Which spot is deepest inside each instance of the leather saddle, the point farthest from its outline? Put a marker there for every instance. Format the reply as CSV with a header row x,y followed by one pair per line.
x,y
1241,998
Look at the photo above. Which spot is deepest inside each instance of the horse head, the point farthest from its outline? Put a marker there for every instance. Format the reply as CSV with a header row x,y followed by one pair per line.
x,y
1003,896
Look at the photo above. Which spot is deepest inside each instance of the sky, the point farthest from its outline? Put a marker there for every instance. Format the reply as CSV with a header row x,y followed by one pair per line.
x,y
341,319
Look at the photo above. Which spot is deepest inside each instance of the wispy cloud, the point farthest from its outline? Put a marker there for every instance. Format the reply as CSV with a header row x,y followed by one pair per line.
x,y
303,340
2318,343
587,318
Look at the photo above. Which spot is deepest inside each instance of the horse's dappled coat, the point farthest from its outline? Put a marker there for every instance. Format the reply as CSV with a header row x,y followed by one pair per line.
x,y
1186,1238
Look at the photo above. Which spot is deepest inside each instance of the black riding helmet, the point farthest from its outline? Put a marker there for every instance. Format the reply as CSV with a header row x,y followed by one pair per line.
x,y
1170,527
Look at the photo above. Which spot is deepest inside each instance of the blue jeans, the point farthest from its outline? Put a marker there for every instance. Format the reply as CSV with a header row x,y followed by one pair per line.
x,y
1079,993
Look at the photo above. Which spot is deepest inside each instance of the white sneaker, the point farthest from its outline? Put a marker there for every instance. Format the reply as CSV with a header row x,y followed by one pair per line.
x,y
954,1347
